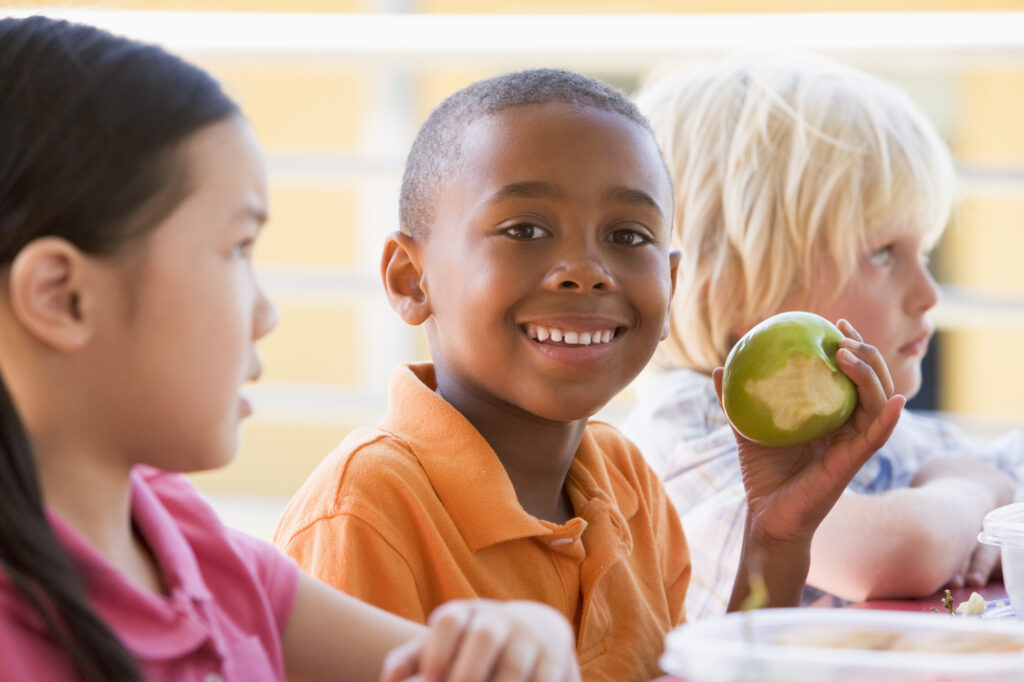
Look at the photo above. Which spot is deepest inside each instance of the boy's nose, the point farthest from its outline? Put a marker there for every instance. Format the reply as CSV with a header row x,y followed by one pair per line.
x,y
580,273
925,293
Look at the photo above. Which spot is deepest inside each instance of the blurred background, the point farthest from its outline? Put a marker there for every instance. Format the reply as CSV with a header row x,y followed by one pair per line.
x,y
336,89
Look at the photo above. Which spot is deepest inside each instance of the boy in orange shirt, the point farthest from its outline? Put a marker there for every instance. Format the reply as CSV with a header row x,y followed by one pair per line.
x,y
536,215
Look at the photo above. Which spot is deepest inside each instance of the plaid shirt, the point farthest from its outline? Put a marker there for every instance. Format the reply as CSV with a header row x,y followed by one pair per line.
x,y
683,434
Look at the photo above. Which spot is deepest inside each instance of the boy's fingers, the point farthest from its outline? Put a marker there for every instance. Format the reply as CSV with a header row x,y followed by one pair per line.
x,y
716,376
847,462
870,391
881,428
846,327
983,562
872,357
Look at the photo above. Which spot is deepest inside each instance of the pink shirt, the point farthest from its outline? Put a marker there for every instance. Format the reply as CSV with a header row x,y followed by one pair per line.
x,y
229,597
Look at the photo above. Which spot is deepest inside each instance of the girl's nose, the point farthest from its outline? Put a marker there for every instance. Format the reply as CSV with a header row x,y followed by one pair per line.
x,y
265,317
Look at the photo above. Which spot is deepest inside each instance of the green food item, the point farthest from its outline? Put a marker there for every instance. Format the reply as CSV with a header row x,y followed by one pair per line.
x,y
782,385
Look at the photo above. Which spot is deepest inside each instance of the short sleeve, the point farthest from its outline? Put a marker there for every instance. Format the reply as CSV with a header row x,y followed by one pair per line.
x,y
349,554
277,573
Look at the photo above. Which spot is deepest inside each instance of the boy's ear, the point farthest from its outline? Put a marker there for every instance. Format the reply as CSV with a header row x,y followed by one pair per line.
x,y
46,282
674,258
402,272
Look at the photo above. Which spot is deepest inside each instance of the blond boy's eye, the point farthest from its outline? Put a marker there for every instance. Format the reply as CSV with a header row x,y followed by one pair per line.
x,y
882,256
523,232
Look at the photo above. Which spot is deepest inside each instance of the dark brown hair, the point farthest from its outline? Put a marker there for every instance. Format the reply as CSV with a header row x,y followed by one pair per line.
x,y
90,125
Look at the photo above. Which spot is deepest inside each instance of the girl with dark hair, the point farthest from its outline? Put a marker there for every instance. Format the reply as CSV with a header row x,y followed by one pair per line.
x,y
132,192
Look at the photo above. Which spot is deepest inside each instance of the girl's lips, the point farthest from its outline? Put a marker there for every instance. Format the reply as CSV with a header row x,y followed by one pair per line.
x,y
244,407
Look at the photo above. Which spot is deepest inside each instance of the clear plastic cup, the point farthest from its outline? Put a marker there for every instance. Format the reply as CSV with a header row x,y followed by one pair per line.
x,y
1004,526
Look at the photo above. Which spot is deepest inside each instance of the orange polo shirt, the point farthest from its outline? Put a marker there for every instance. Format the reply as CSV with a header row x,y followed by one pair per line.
x,y
420,511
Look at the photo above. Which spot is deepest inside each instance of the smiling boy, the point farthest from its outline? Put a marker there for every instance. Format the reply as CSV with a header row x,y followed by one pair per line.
x,y
534,250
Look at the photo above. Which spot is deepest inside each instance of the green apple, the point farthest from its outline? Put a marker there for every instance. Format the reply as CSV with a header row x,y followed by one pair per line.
x,y
782,385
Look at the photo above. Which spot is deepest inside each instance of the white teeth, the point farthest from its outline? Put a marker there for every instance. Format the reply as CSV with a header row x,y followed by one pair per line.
x,y
571,338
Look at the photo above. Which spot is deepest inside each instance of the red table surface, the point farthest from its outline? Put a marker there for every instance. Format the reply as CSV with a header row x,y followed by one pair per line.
x,y
993,591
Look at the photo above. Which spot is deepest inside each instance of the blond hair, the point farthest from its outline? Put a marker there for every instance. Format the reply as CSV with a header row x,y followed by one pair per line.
x,y
783,166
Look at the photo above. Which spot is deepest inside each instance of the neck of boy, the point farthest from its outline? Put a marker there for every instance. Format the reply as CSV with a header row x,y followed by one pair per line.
x,y
93,495
535,452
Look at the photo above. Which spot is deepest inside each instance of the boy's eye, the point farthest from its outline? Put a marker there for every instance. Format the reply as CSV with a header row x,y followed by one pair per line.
x,y
627,237
881,256
524,232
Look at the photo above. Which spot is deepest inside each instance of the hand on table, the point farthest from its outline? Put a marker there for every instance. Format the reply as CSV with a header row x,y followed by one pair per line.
x,y
992,487
480,640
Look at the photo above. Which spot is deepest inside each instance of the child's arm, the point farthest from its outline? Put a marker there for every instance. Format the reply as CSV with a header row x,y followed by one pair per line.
x,y
911,541
331,635
790,490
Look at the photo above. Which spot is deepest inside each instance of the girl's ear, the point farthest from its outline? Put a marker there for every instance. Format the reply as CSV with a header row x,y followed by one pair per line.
x,y
46,281
402,272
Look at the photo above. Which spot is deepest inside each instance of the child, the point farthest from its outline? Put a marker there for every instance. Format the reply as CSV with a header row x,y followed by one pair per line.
x,y
131,194
804,184
535,216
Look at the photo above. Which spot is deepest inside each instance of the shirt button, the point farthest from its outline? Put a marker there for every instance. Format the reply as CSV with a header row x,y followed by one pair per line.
x,y
213,677
561,541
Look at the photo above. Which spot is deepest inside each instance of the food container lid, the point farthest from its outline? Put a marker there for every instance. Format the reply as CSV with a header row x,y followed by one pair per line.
x,y
1004,526
760,645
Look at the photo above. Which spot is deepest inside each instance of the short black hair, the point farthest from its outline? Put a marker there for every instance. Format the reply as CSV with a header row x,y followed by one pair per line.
x,y
434,155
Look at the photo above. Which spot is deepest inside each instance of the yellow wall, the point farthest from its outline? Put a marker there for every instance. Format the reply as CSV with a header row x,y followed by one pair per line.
x,y
982,368
318,107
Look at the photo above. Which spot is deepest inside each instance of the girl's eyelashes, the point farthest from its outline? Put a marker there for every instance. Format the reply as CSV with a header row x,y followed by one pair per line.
x,y
524,232
244,248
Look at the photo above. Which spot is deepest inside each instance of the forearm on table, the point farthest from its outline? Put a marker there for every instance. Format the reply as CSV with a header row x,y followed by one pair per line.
x,y
331,635
903,543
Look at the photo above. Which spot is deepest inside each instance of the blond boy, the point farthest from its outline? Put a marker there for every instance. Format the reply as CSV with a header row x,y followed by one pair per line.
x,y
802,183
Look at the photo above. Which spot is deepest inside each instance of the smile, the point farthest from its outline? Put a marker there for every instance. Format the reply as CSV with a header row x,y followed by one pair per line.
x,y
568,337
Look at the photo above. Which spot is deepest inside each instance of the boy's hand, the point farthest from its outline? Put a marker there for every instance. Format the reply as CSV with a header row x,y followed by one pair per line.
x,y
480,640
970,477
791,489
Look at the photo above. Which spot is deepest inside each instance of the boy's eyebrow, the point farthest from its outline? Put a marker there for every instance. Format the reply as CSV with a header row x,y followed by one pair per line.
x,y
634,196
535,188
546,189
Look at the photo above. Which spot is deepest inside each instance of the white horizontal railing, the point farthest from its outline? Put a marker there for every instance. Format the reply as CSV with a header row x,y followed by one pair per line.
x,y
609,42
623,44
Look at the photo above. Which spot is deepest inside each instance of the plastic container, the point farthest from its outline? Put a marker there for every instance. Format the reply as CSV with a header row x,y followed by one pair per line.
x,y
805,645
1004,526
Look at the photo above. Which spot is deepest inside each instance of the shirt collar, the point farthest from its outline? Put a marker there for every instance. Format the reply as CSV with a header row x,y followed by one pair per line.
x,y
152,626
463,468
